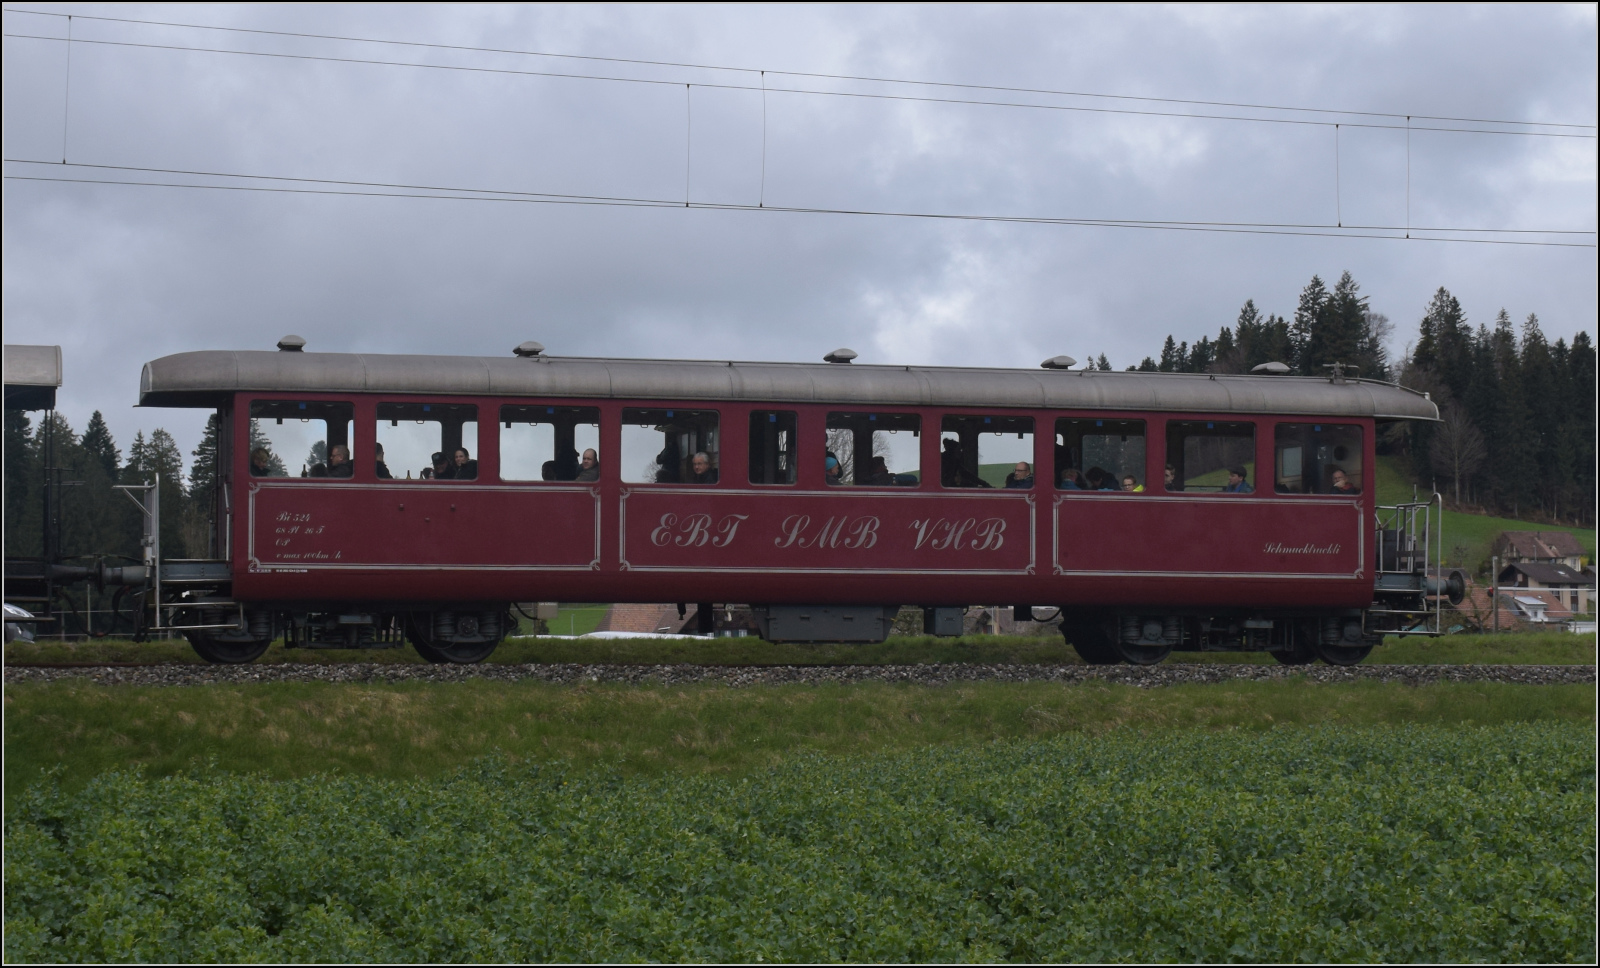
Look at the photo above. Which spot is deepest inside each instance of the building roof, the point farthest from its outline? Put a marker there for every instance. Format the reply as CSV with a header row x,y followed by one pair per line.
x,y
206,378
1534,603
1538,544
1548,573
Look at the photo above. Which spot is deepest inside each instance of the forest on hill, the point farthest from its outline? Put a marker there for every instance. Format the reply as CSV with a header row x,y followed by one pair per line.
x,y
1517,430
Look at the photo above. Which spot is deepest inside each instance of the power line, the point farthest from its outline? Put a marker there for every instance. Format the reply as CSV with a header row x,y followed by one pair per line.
x,y
811,74
977,102
396,190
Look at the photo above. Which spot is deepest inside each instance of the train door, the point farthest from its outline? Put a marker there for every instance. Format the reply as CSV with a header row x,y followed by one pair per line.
x,y
221,500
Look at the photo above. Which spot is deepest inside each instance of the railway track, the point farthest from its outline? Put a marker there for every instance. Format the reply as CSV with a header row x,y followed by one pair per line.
x,y
1172,674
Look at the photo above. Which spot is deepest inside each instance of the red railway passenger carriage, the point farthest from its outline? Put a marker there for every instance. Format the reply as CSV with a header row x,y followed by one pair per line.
x,y
366,498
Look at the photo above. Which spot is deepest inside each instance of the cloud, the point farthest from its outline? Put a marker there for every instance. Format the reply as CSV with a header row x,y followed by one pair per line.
x,y
119,275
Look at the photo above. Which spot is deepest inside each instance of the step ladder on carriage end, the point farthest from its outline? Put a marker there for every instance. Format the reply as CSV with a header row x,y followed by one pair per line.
x,y
1412,586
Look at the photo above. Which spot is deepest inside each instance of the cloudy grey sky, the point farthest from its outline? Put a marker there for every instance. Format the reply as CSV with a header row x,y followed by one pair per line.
x,y
120,274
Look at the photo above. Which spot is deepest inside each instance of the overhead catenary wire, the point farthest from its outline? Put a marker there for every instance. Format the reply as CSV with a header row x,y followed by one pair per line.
x,y
813,92
1338,189
762,198
66,96
376,190
359,187
811,74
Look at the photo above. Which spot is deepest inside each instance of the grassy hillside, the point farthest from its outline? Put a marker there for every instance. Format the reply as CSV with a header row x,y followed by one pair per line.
x,y
1468,538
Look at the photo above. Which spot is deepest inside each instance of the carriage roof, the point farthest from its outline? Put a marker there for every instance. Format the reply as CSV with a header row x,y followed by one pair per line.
x,y
208,378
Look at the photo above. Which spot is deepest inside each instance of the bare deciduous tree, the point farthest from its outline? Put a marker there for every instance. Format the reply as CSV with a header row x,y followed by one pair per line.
x,y
1458,448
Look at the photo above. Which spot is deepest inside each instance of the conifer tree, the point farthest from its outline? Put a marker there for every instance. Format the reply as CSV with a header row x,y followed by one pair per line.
x,y
203,471
1542,388
1223,354
98,444
1581,417
1513,458
1307,320
166,461
22,482
138,460
1169,356
1334,325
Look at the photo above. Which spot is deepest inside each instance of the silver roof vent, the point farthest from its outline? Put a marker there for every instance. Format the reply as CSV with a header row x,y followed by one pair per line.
x,y
1273,367
1059,363
529,350
841,355
292,344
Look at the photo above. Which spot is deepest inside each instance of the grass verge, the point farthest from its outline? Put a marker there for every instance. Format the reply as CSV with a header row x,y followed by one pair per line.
x,y
410,730
1368,844
1542,648
1468,538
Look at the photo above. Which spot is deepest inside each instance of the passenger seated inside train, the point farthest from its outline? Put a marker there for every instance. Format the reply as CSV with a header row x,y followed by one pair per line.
x,y
669,461
261,463
701,471
1071,480
383,469
833,470
588,467
562,470
466,468
339,461
317,469
1021,476
1171,479
1099,479
1237,482
1317,459
1131,483
952,468
442,469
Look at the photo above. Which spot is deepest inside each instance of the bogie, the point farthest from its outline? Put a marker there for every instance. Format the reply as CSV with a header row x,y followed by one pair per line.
x,y
459,636
227,636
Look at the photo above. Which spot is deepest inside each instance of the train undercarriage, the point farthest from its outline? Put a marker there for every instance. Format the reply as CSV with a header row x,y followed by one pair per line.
x,y
470,632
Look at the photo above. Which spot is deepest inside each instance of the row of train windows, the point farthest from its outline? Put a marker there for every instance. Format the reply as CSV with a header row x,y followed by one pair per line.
x,y
423,441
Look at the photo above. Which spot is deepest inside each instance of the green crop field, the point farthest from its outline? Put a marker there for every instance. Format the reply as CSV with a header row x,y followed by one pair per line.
x,y
1400,843
409,730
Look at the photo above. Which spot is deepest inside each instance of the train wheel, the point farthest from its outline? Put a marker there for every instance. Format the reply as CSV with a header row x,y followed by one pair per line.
x,y
227,651
440,653
1298,655
1343,655
1091,642
1303,650
1143,654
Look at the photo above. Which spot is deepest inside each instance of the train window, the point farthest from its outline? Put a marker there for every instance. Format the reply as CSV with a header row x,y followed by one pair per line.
x,y
427,441
300,438
873,449
985,451
542,443
1317,459
1211,456
1100,455
662,446
772,442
